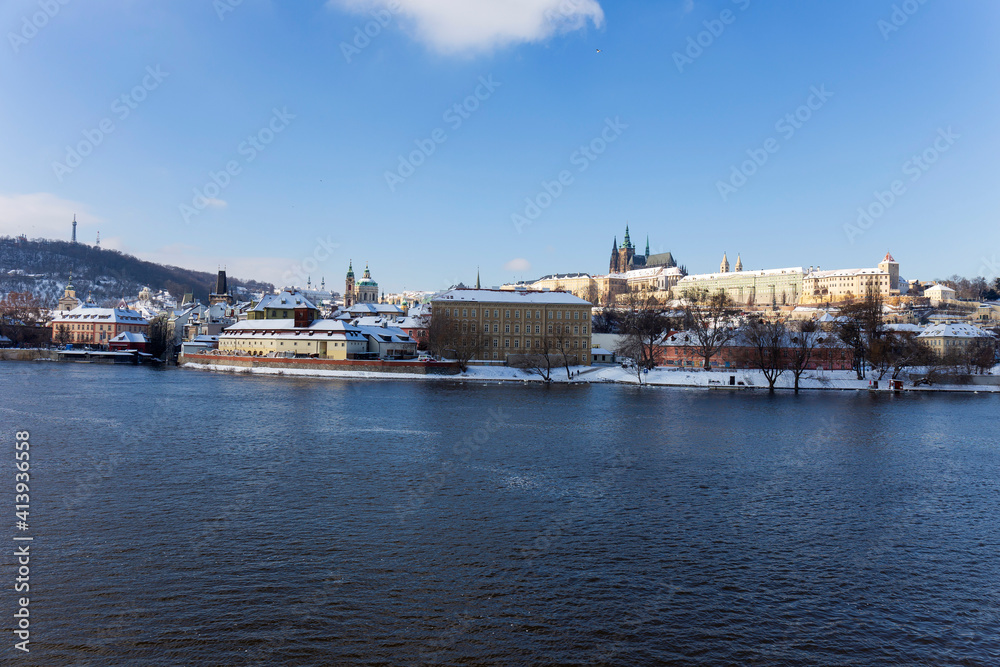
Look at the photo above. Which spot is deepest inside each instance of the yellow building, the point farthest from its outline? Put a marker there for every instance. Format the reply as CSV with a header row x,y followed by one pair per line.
x,y
516,322
321,339
595,289
848,284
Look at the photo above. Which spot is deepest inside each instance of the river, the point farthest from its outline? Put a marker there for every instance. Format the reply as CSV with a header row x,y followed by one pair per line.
x,y
186,517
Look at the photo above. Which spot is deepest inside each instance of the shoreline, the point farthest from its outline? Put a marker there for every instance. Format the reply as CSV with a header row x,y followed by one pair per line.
x,y
660,378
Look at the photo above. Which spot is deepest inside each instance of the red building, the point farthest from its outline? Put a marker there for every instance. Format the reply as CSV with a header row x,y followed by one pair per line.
x,y
828,354
128,340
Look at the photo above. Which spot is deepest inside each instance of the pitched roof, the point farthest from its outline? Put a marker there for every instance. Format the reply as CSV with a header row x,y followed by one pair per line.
x,y
508,296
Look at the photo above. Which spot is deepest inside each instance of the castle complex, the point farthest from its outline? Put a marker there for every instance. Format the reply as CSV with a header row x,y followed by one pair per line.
x,y
624,259
362,291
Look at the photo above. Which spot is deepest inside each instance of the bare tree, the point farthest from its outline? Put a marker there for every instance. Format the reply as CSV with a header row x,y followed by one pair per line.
x,y
644,327
982,354
766,340
805,338
541,361
713,319
62,335
161,337
864,327
448,340
20,314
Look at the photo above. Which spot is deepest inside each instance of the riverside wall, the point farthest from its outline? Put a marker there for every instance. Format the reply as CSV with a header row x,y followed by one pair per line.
x,y
418,367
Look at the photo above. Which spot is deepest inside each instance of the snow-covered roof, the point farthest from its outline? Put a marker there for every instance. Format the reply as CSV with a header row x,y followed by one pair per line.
x,y
954,331
129,337
85,313
844,273
511,297
286,329
600,350
734,274
386,334
939,288
361,309
904,327
283,300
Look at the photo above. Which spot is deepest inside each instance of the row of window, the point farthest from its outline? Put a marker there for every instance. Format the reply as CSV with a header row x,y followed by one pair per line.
x,y
471,312
467,327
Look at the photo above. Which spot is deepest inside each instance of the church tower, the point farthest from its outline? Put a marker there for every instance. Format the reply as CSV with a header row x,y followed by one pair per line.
x,y
349,286
613,267
69,300
891,266
739,263
724,267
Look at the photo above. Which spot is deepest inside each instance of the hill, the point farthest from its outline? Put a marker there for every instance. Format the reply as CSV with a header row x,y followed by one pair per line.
x,y
42,267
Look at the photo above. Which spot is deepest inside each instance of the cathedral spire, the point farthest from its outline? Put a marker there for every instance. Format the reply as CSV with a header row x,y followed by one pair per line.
x,y
724,267
627,243
478,286
647,246
739,263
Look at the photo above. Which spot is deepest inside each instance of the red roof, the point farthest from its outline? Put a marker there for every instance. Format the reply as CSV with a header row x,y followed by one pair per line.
x,y
888,258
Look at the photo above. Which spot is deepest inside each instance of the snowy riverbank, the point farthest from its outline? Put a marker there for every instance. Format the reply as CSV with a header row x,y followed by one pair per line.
x,y
658,377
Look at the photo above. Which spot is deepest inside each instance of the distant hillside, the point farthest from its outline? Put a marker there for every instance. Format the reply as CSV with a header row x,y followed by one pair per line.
x,y
42,267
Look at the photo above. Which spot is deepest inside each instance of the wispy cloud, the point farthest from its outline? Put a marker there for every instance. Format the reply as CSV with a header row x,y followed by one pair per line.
x,y
42,215
455,26
518,265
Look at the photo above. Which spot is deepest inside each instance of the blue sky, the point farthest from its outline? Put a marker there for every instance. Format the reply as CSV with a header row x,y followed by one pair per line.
x,y
666,120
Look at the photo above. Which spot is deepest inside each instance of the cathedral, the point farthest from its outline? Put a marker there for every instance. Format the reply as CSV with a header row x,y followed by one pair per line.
x,y
623,257
362,291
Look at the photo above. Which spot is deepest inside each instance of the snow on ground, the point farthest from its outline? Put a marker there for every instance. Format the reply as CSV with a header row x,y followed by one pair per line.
x,y
658,377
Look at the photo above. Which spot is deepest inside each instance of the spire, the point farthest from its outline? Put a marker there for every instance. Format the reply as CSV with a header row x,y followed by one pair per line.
x,y
614,246
478,286
739,262
367,275
724,267
350,269
627,242
647,246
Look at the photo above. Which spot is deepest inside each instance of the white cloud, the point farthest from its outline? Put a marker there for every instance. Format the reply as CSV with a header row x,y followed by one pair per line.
x,y
517,265
44,215
455,26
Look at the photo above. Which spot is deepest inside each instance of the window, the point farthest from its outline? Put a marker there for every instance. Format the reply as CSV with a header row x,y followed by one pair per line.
x,y
527,314
496,313
496,343
517,344
506,342
537,329
576,330
576,315
465,312
506,328
584,329
473,312
473,327
558,314
496,328
538,314
517,328
550,328
517,314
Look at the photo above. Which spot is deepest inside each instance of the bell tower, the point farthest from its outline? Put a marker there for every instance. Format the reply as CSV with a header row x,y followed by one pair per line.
x,y
349,299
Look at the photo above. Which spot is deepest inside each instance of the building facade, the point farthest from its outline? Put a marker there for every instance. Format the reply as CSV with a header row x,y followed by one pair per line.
x,y
848,284
89,325
512,323
771,287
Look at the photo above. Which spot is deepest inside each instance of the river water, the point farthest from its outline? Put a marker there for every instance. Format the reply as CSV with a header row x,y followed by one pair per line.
x,y
185,517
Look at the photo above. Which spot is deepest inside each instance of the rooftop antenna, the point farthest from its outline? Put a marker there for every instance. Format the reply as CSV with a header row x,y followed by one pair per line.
x,y
74,228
